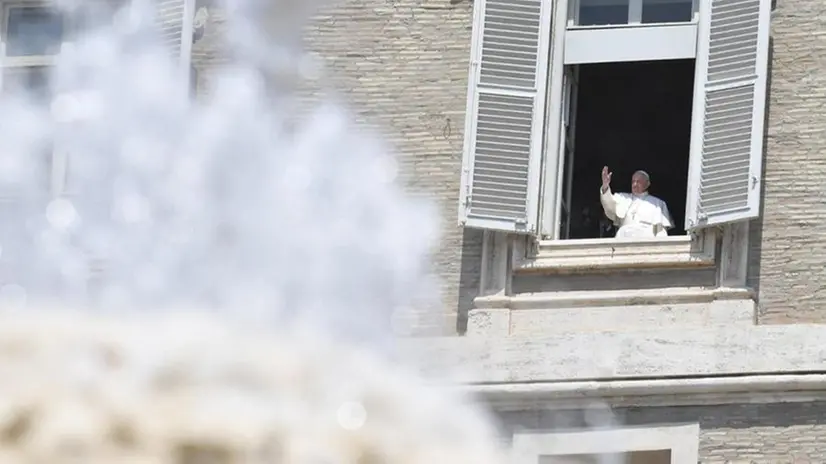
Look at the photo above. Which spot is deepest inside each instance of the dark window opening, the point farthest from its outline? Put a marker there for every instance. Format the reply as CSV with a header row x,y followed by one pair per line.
x,y
630,116
667,11
632,457
600,13
33,31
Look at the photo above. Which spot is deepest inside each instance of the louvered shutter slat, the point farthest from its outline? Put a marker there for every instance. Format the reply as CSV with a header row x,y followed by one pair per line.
x,y
171,23
503,140
175,22
727,136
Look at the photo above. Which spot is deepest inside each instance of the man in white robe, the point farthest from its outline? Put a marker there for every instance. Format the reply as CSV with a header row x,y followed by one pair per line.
x,y
638,214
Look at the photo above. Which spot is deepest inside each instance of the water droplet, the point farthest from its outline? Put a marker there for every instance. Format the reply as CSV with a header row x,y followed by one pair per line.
x,y
76,106
352,415
386,169
297,178
10,167
310,68
133,209
61,214
13,296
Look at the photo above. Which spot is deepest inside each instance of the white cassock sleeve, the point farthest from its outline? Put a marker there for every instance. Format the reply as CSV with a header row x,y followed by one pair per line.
x,y
615,205
665,221
609,205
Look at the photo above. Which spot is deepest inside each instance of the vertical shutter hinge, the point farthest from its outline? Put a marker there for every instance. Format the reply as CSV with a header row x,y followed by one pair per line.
x,y
754,181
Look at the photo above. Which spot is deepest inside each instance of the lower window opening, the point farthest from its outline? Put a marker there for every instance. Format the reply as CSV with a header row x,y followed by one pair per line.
x,y
634,457
629,117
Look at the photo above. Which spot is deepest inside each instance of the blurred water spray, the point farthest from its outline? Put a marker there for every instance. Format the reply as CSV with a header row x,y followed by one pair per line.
x,y
222,203
124,204
183,221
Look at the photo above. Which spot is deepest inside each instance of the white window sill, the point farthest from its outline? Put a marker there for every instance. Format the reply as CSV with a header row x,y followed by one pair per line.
x,y
611,253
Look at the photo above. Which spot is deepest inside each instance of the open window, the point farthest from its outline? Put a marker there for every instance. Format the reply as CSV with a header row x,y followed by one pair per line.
x,y
629,117
632,457
688,109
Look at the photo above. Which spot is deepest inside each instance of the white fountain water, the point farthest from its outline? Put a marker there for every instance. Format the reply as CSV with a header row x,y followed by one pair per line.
x,y
243,268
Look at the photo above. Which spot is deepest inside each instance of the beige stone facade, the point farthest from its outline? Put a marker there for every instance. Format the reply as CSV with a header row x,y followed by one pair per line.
x,y
787,246
403,67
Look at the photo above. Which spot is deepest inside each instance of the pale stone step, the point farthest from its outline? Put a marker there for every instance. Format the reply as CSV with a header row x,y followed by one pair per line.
x,y
556,312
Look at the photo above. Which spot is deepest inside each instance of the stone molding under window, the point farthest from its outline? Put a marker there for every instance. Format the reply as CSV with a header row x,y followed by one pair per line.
x,y
560,256
681,441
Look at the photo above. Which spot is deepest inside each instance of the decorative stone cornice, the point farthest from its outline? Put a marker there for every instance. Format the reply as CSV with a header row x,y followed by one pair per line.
x,y
653,392
631,355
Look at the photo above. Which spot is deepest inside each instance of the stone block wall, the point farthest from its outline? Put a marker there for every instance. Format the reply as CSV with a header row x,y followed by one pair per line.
x,y
788,246
402,67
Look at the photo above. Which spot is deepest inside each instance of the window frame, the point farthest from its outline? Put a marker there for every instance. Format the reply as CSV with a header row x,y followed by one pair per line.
x,y
548,252
634,16
59,182
27,61
554,150
721,243
58,160
682,440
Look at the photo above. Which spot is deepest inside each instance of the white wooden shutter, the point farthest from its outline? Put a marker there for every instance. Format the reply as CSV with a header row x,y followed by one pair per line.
x,y
505,115
175,18
729,105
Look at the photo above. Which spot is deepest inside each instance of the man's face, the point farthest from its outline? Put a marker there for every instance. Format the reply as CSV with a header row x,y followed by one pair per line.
x,y
639,184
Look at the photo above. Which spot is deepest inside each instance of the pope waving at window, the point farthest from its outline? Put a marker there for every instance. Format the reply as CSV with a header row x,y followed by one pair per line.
x,y
637,214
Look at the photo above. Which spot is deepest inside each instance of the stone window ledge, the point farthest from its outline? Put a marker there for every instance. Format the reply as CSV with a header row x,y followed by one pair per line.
x,y
552,256
590,299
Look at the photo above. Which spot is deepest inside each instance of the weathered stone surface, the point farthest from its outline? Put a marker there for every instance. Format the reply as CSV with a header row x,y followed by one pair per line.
x,y
652,353
403,65
788,249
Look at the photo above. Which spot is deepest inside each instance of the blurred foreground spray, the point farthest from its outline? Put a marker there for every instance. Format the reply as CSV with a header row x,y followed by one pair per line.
x,y
236,258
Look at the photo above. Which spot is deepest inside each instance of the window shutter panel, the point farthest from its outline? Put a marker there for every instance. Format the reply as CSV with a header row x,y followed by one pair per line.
x,y
505,115
729,109
175,19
